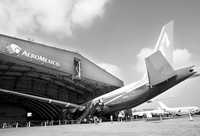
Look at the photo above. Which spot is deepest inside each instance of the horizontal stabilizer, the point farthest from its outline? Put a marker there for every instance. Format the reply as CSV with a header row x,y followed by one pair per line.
x,y
158,68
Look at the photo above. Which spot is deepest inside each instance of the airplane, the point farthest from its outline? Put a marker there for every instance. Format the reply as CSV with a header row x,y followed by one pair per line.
x,y
148,113
179,110
160,77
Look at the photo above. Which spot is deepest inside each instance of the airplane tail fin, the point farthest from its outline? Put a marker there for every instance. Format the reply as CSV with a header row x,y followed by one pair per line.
x,y
162,105
158,68
165,42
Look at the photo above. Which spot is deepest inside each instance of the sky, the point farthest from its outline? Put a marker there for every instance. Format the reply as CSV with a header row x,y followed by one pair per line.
x,y
114,34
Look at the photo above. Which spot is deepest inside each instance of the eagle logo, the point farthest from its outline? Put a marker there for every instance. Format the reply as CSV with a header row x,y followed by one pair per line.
x,y
13,49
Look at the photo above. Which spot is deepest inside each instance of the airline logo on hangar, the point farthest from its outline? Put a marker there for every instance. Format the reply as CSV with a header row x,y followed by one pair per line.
x,y
16,50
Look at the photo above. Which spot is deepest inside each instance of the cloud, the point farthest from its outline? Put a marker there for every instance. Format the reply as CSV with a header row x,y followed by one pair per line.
x,y
181,57
85,10
113,69
140,64
48,16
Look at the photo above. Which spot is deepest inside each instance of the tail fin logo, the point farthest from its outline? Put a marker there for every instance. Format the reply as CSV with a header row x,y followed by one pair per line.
x,y
14,49
165,40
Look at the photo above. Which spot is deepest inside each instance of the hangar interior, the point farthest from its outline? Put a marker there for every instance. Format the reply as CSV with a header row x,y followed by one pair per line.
x,y
27,77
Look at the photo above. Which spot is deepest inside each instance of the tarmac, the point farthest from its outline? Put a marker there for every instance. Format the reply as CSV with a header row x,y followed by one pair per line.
x,y
170,127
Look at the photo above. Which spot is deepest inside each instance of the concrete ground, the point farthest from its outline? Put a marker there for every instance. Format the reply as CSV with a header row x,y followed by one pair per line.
x,y
171,127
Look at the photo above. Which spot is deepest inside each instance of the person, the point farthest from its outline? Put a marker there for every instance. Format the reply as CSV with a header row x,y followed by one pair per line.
x,y
99,105
111,118
90,119
121,115
84,121
96,120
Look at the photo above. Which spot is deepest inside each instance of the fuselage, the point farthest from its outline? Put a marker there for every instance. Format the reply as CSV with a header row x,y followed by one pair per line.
x,y
135,94
148,112
183,110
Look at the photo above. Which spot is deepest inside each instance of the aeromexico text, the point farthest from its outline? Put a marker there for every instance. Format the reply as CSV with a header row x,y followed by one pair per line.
x,y
40,58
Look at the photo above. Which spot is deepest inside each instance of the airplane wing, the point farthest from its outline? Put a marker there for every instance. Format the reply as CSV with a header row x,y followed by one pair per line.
x,y
43,99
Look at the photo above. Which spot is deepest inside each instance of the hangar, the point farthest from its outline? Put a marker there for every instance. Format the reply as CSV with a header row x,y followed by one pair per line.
x,y
43,71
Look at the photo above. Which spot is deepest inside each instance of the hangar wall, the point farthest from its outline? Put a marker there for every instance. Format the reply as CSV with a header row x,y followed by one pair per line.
x,y
59,59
